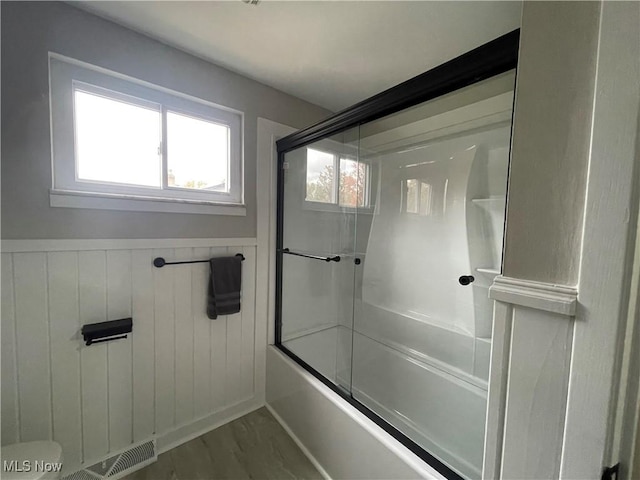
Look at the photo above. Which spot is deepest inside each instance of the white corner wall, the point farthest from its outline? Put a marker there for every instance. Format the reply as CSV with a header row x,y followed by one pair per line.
x,y
558,309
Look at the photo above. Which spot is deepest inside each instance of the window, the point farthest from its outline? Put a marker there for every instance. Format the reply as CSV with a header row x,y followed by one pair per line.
x,y
121,144
350,189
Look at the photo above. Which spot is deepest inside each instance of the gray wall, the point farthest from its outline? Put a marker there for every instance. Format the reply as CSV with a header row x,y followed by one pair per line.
x,y
29,32
550,144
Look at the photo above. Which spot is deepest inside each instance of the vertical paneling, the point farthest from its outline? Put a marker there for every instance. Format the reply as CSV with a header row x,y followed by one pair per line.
x,y
32,336
201,335
9,381
248,323
536,394
177,367
184,337
92,279
164,343
143,344
501,340
64,320
219,349
233,371
120,386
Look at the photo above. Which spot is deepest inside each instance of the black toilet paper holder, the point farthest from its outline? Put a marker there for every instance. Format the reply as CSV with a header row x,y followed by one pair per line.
x,y
106,331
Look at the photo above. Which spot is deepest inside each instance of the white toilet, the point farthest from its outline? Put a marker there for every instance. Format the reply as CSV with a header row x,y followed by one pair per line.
x,y
31,461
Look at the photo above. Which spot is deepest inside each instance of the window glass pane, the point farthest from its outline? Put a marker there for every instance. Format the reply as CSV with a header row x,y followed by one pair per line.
x,y
197,153
353,183
116,141
320,181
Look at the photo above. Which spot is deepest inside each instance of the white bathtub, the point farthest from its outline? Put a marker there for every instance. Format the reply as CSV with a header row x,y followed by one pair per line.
x,y
342,442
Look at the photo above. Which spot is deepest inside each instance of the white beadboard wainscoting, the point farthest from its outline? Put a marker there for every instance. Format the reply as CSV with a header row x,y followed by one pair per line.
x,y
176,375
530,361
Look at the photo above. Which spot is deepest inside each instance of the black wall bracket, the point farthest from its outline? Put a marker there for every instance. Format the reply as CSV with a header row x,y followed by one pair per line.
x,y
106,331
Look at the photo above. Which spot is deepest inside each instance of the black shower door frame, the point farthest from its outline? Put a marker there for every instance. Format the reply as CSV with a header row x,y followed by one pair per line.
x,y
488,60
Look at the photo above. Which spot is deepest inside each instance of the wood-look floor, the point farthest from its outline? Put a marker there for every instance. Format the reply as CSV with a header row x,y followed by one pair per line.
x,y
252,447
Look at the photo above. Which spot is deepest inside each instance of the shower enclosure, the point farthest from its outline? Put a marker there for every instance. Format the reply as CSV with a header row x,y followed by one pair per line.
x,y
390,227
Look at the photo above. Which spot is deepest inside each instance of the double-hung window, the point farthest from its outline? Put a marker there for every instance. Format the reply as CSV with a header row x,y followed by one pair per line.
x,y
336,179
119,143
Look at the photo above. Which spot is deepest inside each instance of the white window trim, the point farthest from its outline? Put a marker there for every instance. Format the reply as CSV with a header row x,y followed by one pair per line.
x,y
68,191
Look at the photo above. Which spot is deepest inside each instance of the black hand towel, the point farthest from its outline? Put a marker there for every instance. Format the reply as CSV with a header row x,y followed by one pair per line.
x,y
225,283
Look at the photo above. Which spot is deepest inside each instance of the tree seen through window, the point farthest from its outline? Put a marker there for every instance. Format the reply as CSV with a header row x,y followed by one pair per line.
x,y
321,186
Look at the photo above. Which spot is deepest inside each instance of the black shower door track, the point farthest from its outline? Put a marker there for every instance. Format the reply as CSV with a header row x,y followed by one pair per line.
x,y
488,60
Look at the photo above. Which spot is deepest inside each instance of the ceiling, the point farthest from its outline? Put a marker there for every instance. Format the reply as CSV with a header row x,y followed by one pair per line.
x,y
331,53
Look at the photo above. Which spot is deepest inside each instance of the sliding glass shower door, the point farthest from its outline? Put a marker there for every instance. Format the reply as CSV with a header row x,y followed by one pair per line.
x,y
322,191
390,235
422,315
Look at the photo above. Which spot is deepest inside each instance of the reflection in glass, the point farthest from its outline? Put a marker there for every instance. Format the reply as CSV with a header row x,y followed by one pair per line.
x,y
418,196
412,195
425,199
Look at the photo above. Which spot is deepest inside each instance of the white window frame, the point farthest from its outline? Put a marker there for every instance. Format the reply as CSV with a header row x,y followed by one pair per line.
x,y
65,76
334,205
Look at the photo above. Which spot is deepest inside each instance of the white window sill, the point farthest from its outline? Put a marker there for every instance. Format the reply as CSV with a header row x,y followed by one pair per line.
x,y
108,201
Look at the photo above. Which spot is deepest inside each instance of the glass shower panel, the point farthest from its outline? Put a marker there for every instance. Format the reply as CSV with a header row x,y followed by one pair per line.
x,y
321,191
429,250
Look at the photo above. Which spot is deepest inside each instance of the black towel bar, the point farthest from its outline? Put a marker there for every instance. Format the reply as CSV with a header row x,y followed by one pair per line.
x,y
160,262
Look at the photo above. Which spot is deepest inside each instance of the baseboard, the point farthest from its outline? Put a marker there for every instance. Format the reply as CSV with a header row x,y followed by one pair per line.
x,y
180,435
301,445
185,433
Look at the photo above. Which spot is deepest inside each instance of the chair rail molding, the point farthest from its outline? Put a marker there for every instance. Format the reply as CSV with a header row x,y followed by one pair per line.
x,y
78,244
538,295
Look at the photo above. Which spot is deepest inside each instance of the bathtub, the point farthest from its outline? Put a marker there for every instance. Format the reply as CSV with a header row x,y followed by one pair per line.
x,y
436,401
340,440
